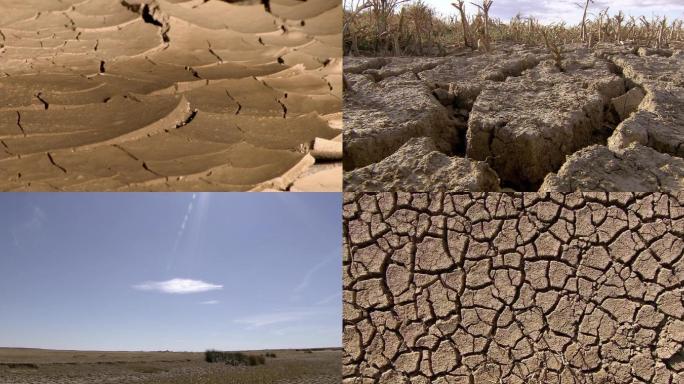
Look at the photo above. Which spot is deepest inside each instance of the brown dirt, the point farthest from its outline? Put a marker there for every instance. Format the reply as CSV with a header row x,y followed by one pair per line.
x,y
513,288
166,94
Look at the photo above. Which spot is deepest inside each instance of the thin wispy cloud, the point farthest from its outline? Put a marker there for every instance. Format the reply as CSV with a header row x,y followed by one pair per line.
x,y
178,286
337,297
35,221
184,223
210,302
306,279
258,321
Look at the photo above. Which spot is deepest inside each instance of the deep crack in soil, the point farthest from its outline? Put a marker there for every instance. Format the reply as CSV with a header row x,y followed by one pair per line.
x,y
512,114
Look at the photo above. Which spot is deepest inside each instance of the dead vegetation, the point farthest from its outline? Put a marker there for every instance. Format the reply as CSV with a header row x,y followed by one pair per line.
x,y
513,106
403,28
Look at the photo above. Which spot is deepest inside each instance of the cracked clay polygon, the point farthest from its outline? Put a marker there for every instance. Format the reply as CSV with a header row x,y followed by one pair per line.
x,y
513,288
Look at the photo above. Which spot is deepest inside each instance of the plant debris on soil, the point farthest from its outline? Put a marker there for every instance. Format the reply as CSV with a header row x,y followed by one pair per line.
x,y
170,95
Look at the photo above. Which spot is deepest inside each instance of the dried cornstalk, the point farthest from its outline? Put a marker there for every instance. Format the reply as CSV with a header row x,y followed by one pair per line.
x,y
460,5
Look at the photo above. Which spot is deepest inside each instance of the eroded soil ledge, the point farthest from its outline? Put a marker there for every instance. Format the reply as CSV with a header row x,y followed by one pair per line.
x,y
611,119
513,288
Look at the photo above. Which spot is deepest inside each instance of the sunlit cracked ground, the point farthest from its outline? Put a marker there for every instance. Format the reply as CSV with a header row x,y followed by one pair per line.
x,y
513,288
611,118
170,95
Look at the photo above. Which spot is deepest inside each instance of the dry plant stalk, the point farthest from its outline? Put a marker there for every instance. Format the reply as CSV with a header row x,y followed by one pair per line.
x,y
484,9
556,52
460,5
584,19
619,18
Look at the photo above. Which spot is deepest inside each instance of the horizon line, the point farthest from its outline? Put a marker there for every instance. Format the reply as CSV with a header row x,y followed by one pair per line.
x,y
174,351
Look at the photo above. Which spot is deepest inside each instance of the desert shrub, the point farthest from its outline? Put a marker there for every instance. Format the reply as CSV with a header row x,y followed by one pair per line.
x,y
232,358
271,355
256,360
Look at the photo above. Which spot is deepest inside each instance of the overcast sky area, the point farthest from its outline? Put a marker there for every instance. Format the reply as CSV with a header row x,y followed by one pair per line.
x,y
177,271
550,11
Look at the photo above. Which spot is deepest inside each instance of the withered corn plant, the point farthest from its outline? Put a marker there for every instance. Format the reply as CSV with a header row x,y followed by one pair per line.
x,y
551,37
411,27
484,13
460,5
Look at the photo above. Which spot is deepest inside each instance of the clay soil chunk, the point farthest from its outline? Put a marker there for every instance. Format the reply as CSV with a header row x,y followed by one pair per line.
x,y
634,168
526,125
658,124
380,117
419,166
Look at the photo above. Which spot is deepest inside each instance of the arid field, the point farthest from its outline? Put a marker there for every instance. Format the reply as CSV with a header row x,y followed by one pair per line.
x,y
170,95
36,366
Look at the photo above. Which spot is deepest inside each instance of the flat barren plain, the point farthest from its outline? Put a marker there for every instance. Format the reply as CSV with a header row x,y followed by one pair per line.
x,y
170,95
37,366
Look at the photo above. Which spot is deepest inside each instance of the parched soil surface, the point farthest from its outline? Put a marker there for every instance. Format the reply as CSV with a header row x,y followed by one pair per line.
x,y
513,288
610,119
29,366
170,95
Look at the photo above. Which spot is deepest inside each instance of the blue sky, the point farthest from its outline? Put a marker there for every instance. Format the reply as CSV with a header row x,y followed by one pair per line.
x,y
566,10
173,271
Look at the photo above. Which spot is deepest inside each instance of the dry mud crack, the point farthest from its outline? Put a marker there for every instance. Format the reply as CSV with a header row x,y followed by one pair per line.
x,y
513,288
512,120
169,95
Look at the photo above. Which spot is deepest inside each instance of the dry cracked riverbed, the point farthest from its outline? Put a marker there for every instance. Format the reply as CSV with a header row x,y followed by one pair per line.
x,y
513,288
36,366
170,95
611,120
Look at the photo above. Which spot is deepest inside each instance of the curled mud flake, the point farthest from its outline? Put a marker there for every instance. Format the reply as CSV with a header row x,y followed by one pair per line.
x,y
132,95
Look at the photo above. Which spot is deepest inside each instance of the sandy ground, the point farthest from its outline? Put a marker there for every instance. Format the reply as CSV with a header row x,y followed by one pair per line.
x,y
169,95
609,118
29,366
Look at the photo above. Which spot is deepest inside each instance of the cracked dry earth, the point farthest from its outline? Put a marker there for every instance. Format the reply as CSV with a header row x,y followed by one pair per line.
x,y
513,288
510,120
170,95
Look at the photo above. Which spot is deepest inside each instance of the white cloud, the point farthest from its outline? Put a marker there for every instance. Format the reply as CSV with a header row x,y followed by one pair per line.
x,y
178,286
259,321
210,302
